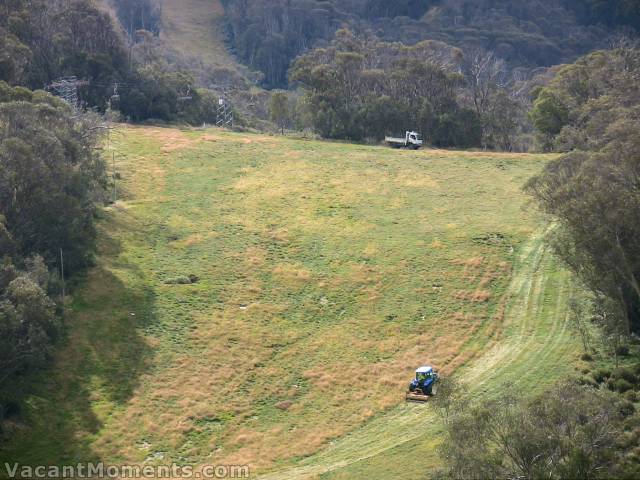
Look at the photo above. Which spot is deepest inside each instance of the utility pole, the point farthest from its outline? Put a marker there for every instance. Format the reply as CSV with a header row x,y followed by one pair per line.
x,y
62,277
115,179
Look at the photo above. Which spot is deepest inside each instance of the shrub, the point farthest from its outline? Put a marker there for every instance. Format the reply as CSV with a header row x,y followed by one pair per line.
x,y
588,381
626,408
601,374
182,280
626,374
28,325
630,396
586,357
621,385
555,434
622,350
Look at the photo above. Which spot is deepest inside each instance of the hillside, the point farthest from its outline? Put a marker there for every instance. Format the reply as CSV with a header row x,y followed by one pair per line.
x,y
193,27
192,32
316,294
268,35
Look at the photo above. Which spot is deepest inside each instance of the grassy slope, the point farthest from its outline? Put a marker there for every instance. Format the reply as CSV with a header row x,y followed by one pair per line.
x,y
322,266
194,28
534,353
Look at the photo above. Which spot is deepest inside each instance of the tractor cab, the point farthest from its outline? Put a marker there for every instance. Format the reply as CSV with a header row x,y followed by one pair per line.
x,y
424,373
422,387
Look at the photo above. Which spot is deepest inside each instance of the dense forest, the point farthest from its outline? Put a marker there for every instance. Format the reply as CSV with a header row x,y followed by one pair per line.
x,y
268,34
361,88
372,85
51,182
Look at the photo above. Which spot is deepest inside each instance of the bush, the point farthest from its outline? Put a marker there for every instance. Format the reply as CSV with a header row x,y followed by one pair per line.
x,y
630,396
622,350
601,374
51,180
621,385
28,325
413,90
586,357
588,381
626,408
182,280
626,374
550,437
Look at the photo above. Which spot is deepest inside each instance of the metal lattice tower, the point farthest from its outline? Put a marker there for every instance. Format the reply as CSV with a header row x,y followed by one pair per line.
x,y
67,89
224,115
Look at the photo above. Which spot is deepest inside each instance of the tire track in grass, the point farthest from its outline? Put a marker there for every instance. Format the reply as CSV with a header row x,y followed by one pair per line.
x,y
536,339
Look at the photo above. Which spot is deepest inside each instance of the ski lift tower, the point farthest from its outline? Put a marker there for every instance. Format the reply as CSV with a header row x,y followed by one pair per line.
x,y
67,89
224,115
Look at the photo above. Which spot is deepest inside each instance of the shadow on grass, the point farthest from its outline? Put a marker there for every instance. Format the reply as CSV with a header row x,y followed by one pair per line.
x,y
95,370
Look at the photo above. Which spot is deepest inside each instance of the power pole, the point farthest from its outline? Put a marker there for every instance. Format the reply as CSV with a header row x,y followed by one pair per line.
x,y
62,277
115,179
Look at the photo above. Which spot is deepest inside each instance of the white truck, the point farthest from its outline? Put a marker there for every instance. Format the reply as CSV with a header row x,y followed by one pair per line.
x,y
410,140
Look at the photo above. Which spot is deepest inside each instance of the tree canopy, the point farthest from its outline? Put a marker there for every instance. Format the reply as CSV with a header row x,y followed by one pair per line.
x,y
591,109
51,181
268,35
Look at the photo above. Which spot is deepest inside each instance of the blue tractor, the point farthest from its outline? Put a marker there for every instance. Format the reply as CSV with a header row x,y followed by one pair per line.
x,y
423,387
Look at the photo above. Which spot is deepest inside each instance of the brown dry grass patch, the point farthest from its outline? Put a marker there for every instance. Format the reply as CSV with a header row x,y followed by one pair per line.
x,y
292,274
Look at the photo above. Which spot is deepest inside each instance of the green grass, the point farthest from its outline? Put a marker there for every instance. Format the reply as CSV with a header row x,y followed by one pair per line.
x,y
537,350
327,273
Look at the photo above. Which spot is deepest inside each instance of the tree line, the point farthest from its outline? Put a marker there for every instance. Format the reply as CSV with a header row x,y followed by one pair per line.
x,y
590,111
51,181
361,88
586,427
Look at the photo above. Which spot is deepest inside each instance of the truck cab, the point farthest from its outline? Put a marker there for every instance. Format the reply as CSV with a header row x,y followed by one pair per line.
x,y
414,138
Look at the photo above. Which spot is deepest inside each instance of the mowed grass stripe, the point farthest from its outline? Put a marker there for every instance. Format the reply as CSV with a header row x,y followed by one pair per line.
x,y
537,351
